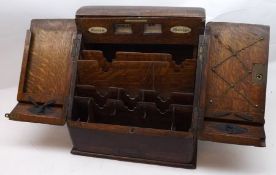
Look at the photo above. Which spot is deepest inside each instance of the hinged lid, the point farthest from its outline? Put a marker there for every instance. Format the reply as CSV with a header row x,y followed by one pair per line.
x,y
140,11
140,25
233,83
46,72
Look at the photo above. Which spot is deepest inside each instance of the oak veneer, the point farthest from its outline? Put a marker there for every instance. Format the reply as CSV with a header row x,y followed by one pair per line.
x,y
141,96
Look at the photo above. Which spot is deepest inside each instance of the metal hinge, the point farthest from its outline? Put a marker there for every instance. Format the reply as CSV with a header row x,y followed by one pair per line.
x,y
41,109
202,60
259,73
76,46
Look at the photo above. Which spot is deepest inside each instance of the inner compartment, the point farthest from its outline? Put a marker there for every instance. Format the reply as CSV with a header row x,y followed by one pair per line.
x,y
148,86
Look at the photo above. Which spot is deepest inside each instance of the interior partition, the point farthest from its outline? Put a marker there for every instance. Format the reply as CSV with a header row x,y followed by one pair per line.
x,y
141,85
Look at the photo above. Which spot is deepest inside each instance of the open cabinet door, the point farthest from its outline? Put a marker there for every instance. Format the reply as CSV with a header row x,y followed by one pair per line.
x,y
46,72
233,83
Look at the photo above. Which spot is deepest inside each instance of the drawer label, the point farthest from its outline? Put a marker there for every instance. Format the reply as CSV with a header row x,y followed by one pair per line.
x,y
180,29
97,30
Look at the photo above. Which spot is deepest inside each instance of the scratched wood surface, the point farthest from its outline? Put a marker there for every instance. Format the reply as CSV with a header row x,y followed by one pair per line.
x,y
231,92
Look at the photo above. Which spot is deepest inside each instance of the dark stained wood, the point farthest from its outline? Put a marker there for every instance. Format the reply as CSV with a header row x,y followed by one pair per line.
x,y
128,129
135,75
138,36
230,93
136,144
144,114
131,159
131,56
145,97
22,112
136,11
255,135
178,52
136,88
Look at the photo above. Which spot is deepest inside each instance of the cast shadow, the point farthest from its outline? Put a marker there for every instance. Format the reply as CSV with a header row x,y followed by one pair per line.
x,y
51,137
229,158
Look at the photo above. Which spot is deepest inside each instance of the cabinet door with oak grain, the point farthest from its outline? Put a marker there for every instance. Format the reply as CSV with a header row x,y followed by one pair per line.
x,y
233,86
46,72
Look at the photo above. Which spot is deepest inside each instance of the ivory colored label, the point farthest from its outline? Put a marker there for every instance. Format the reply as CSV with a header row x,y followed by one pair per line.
x,y
180,29
97,30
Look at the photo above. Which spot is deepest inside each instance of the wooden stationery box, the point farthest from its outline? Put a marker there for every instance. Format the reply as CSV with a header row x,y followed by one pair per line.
x,y
145,83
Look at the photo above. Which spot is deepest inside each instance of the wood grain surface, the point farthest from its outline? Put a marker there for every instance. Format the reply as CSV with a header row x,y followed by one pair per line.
x,y
136,75
145,97
46,72
113,11
49,61
230,93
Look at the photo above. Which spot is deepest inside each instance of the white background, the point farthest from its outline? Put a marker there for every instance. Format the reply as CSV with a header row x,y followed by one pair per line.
x,y
27,148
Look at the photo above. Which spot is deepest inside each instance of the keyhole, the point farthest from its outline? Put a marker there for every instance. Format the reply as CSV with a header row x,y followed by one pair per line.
x,y
131,130
259,76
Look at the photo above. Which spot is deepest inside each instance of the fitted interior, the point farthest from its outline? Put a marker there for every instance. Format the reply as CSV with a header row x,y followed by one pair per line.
x,y
148,86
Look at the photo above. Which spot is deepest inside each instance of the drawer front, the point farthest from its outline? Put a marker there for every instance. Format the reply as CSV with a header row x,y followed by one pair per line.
x,y
134,143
